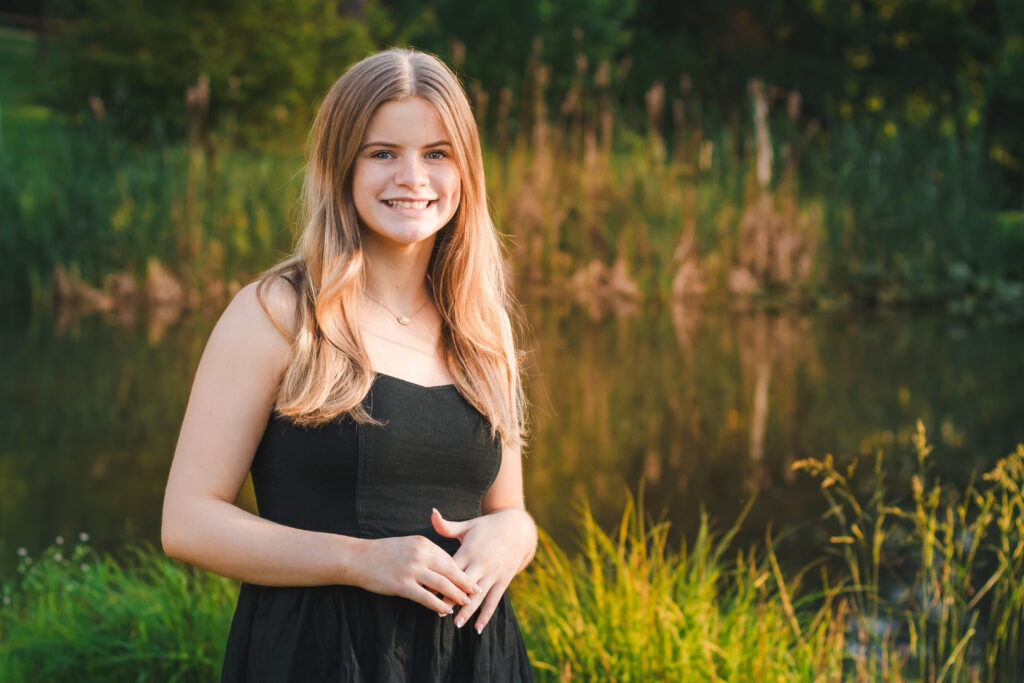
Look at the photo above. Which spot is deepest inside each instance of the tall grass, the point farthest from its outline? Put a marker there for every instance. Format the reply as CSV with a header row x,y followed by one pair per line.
x,y
929,587
76,616
628,609
939,581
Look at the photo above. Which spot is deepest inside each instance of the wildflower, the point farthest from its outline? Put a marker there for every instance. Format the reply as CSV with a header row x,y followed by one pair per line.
x,y
60,540
890,129
22,552
58,557
83,537
85,567
7,599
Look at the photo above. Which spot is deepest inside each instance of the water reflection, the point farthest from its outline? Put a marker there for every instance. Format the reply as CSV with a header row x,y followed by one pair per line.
x,y
705,407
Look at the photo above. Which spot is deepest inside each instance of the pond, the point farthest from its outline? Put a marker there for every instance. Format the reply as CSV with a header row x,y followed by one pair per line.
x,y
702,409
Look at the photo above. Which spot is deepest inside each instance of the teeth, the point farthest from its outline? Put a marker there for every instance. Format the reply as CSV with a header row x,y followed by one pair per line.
x,y
395,204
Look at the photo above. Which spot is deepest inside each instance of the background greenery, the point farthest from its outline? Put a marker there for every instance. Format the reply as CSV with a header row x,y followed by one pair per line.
x,y
886,133
643,157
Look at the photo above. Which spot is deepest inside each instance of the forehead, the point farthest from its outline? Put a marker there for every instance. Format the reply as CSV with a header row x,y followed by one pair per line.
x,y
411,121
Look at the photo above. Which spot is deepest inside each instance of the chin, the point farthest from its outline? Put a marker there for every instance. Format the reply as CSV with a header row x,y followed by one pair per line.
x,y
406,237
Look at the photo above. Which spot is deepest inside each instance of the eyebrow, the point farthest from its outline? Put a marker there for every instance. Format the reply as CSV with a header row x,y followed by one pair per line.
x,y
380,143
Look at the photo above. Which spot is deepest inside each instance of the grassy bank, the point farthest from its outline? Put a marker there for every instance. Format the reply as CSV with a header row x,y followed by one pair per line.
x,y
916,585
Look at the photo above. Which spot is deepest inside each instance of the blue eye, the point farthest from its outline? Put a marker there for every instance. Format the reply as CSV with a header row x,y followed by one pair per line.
x,y
436,155
383,154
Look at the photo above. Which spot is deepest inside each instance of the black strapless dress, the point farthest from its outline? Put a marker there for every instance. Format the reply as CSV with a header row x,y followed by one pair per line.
x,y
432,450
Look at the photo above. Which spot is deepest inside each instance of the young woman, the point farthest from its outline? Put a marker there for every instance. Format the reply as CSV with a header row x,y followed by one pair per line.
x,y
370,384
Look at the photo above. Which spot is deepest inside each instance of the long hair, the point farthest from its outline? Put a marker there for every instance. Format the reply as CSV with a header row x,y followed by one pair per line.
x,y
328,373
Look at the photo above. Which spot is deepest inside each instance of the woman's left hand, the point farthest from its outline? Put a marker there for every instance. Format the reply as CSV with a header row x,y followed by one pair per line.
x,y
495,547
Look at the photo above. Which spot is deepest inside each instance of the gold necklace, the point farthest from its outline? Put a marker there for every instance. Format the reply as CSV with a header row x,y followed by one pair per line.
x,y
402,320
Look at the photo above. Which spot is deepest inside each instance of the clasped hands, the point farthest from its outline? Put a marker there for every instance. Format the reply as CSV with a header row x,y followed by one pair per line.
x,y
494,548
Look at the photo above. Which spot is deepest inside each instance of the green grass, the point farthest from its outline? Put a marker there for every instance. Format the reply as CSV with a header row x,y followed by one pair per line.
x,y
76,616
925,584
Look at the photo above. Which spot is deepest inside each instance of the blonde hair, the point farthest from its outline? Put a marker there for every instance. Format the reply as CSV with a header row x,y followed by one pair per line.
x,y
329,372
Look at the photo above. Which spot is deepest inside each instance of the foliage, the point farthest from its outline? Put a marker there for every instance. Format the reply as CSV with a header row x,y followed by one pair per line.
x,y
76,616
868,211
938,65
933,66
215,219
247,66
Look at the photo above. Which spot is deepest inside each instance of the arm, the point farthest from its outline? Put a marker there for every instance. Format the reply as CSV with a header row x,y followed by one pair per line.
x,y
231,400
496,546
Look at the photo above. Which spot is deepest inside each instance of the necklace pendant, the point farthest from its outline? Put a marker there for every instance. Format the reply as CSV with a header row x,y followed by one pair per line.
x,y
402,320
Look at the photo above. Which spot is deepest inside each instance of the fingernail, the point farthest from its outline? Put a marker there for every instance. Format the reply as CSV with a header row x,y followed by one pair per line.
x,y
433,510
479,630
459,623
477,588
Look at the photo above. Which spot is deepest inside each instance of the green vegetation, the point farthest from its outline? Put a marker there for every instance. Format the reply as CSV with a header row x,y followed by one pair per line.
x,y
589,207
74,616
929,587
617,172
597,200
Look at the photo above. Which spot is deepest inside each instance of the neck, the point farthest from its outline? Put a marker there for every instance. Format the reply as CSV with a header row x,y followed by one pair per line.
x,y
396,273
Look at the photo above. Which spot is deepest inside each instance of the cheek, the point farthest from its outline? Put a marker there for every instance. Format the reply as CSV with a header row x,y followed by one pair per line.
x,y
453,185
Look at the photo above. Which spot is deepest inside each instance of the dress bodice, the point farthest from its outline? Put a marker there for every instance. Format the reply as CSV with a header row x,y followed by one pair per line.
x,y
431,448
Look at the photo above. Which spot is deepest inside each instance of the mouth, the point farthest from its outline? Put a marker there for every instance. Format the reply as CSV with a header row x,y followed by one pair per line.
x,y
416,204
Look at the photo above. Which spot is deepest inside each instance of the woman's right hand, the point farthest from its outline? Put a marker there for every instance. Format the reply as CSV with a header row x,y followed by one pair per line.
x,y
412,567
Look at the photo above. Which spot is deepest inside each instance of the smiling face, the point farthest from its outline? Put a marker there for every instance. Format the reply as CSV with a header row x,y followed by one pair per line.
x,y
406,183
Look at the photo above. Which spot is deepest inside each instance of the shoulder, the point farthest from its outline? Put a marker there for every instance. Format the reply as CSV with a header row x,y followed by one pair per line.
x,y
278,298
259,322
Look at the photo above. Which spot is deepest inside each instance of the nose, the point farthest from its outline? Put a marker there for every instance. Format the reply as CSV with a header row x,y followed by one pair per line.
x,y
411,172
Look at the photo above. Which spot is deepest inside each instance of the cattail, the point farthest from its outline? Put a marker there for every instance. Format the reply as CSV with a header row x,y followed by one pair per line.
x,y
581,64
763,136
98,110
458,50
793,102
479,98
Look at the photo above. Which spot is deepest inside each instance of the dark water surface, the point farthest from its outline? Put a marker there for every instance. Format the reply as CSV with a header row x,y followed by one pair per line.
x,y
706,408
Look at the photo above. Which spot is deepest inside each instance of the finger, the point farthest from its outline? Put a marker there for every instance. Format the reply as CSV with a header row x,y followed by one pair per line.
x,y
447,566
438,583
473,577
489,605
466,611
423,596
446,528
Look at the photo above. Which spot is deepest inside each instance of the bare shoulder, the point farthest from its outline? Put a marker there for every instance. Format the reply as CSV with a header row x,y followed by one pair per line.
x,y
259,322
277,297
